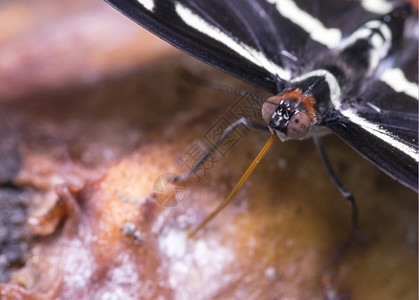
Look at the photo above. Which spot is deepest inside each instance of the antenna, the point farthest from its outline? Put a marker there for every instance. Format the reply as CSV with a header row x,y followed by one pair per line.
x,y
218,86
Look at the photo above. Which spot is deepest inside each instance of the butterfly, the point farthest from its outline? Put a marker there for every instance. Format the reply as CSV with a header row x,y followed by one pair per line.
x,y
346,67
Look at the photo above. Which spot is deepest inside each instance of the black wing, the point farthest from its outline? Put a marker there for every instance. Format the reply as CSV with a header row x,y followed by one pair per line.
x,y
381,123
382,127
262,42
267,42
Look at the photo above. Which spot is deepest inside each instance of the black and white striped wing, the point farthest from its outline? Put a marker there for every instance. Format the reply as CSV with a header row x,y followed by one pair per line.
x,y
264,42
381,122
383,127
268,42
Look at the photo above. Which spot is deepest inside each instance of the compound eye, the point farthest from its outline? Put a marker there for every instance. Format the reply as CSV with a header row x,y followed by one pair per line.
x,y
298,126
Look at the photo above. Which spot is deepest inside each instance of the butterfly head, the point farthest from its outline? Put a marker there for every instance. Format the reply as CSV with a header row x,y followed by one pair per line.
x,y
287,117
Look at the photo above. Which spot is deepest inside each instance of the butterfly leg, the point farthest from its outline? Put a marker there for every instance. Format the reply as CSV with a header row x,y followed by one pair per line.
x,y
224,135
342,189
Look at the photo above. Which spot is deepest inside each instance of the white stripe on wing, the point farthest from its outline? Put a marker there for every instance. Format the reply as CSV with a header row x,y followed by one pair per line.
x,y
381,133
245,51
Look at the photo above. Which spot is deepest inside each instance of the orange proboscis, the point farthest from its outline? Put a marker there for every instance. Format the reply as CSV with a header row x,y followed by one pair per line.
x,y
242,180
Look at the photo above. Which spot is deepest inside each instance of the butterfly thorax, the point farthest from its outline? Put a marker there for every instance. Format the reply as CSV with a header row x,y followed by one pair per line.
x,y
299,109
